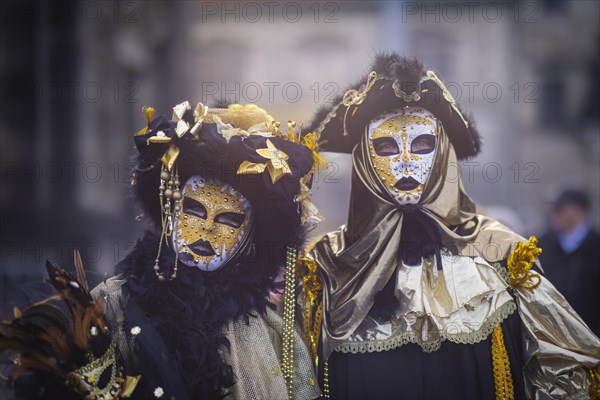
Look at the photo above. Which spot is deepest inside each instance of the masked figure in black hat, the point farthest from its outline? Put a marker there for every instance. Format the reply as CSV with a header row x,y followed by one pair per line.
x,y
203,307
418,295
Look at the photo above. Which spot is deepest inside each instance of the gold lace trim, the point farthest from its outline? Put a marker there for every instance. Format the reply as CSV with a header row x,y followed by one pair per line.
x,y
502,375
370,346
502,271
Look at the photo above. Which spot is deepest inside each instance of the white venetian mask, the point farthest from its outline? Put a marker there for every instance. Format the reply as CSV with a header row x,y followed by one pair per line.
x,y
402,145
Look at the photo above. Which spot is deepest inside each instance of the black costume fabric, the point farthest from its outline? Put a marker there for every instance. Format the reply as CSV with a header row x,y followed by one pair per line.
x,y
407,373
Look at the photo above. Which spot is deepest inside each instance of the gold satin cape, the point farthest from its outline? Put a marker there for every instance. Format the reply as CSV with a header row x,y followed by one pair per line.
x,y
357,260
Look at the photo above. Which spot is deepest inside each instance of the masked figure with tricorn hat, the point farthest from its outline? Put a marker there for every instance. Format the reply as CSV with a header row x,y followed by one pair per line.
x,y
203,307
418,295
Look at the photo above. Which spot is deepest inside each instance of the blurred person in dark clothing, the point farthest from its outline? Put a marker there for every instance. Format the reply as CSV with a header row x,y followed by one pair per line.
x,y
571,255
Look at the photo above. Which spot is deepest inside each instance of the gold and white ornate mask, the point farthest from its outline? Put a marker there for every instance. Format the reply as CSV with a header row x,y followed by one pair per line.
x,y
402,145
214,220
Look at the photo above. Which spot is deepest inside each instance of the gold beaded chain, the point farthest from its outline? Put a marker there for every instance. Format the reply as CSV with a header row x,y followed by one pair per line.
x,y
289,305
502,375
168,190
326,379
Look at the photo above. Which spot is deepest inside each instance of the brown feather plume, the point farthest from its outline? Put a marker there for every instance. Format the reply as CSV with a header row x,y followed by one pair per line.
x,y
47,338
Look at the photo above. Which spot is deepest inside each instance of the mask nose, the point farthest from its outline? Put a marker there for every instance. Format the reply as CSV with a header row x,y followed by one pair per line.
x,y
405,155
208,226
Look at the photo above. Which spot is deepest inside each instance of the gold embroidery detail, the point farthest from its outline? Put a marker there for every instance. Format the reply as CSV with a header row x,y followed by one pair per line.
x,y
520,262
502,375
310,280
313,311
594,384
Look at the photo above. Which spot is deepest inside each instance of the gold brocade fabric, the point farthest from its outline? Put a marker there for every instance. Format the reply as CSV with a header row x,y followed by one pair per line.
x,y
357,260
242,117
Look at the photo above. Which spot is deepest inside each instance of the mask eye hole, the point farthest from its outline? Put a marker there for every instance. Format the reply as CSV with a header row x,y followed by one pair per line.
x,y
194,207
231,219
423,144
385,146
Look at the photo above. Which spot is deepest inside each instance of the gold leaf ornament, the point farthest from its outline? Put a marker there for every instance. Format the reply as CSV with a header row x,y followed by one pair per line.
x,y
168,159
248,167
276,163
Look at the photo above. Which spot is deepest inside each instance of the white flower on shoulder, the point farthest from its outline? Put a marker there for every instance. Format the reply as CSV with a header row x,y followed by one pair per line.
x,y
158,392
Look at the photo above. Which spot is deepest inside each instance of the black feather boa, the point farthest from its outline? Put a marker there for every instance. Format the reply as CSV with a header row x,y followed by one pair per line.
x,y
190,312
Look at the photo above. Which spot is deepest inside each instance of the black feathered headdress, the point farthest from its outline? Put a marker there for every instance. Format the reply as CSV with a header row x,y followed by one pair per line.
x,y
394,81
240,146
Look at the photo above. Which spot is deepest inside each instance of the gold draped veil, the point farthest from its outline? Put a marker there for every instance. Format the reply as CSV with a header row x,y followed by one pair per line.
x,y
357,260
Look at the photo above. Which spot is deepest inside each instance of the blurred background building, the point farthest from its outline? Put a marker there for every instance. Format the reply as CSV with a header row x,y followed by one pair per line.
x,y
75,76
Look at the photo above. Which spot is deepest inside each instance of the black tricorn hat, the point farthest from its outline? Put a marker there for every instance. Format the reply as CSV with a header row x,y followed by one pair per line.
x,y
394,81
